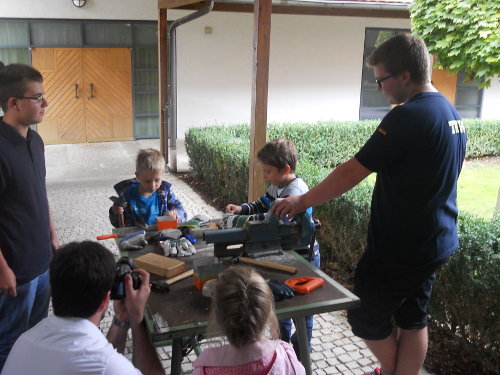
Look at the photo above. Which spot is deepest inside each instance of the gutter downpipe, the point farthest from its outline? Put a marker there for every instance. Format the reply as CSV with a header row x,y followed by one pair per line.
x,y
170,107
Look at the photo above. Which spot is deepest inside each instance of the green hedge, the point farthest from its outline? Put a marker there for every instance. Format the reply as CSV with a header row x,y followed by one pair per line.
x,y
466,295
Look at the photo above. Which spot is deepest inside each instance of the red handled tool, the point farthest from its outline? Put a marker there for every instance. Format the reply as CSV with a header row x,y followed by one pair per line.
x,y
305,284
107,236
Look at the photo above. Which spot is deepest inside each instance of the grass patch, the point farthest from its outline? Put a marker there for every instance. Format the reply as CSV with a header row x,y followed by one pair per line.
x,y
478,187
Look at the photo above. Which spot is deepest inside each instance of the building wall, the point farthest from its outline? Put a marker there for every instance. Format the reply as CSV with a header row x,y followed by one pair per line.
x,y
93,9
491,100
315,63
314,74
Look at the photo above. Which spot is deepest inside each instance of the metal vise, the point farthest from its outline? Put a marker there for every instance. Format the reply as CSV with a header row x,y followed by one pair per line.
x,y
264,236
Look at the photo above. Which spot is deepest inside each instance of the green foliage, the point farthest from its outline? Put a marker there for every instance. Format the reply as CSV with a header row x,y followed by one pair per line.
x,y
463,34
466,295
483,137
466,299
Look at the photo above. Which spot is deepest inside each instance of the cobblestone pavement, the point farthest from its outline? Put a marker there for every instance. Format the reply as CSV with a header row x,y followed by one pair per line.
x,y
80,179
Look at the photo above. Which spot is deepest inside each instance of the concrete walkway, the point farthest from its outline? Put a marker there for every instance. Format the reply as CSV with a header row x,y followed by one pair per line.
x,y
80,179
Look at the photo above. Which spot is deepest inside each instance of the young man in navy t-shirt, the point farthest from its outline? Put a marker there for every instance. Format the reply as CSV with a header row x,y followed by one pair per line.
x,y
417,152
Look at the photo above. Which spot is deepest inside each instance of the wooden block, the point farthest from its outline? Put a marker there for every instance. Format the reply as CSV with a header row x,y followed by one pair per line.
x,y
166,222
160,265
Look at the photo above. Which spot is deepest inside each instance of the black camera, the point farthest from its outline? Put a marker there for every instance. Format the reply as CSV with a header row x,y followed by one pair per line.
x,y
123,267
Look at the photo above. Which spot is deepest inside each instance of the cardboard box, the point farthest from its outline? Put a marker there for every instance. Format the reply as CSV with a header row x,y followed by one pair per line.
x,y
160,265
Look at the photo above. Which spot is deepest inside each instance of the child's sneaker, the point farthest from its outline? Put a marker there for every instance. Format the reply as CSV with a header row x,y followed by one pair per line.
x,y
377,371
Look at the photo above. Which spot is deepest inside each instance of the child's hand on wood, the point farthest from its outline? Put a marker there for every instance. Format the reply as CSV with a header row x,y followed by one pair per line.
x,y
117,210
232,209
173,214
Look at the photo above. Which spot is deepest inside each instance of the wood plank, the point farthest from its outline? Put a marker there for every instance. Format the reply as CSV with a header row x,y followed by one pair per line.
x,y
160,265
162,79
305,10
260,80
270,265
446,83
109,102
65,116
169,4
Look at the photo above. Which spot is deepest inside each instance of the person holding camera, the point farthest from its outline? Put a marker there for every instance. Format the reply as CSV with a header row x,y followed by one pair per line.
x,y
82,276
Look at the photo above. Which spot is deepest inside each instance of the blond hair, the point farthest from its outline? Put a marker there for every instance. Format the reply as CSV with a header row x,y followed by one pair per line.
x,y
149,160
243,306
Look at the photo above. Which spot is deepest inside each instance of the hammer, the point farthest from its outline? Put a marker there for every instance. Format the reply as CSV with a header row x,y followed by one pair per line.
x,y
120,201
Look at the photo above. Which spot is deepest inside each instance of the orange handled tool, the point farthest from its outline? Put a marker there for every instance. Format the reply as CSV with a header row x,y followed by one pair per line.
x,y
107,236
305,284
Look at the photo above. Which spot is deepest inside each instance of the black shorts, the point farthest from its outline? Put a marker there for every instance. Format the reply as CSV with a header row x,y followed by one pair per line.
x,y
387,294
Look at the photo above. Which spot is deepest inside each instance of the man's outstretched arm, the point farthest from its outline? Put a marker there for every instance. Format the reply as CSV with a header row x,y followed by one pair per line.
x,y
340,180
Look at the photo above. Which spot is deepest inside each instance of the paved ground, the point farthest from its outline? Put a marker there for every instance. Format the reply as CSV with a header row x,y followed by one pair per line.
x,y
80,179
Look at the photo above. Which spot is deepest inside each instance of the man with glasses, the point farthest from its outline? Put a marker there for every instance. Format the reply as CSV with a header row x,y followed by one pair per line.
x,y
417,152
27,232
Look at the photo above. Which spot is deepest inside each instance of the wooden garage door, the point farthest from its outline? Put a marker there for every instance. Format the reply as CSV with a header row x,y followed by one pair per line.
x,y
89,91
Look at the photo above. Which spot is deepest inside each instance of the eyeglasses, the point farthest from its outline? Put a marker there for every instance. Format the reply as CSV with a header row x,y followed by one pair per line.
x,y
379,81
37,98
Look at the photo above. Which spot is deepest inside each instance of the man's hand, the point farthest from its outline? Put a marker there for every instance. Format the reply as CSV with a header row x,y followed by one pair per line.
x,y
120,310
135,299
289,206
55,243
232,209
7,282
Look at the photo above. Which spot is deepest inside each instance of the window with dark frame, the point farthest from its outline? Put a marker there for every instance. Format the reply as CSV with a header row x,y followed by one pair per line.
x,y
373,105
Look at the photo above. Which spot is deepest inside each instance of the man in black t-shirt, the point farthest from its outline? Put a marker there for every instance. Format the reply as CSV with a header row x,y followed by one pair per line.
x,y
417,152
27,234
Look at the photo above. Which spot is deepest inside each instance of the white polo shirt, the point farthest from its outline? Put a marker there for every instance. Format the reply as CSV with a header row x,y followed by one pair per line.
x,y
62,346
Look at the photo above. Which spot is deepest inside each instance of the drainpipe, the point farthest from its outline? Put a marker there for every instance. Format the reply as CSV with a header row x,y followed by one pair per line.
x,y
170,107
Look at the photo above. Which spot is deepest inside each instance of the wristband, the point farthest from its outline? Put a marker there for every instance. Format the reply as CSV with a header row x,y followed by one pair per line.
x,y
121,323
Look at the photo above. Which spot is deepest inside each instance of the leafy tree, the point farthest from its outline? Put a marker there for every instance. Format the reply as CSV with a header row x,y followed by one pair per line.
x,y
464,35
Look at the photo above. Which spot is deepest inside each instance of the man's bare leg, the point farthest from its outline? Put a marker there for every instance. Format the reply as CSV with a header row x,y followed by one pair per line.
x,y
412,348
403,354
386,351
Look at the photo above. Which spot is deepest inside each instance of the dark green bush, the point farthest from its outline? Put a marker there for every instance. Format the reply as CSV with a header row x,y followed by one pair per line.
x,y
466,295
483,137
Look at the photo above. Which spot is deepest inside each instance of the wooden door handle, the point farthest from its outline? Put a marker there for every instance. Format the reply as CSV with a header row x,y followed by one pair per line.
x,y
91,87
76,90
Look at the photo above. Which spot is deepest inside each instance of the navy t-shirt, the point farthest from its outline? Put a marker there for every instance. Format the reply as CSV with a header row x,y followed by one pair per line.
x,y
24,209
417,151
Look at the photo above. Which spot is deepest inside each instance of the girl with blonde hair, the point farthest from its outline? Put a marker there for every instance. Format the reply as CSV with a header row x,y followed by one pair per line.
x,y
243,309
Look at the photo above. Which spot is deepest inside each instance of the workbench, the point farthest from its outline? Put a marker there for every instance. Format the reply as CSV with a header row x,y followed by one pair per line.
x,y
182,313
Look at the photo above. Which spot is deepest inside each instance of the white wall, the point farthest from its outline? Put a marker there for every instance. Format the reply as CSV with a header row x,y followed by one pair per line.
x,y
93,9
491,100
315,64
315,68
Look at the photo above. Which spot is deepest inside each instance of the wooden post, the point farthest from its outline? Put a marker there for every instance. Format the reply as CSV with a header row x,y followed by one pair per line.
x,y
162,77
261,44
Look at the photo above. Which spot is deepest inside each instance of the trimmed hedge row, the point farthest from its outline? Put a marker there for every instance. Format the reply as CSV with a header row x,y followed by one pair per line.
x,y
466,296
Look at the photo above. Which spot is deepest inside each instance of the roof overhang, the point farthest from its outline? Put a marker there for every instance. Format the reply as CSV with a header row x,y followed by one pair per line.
x,y
361,8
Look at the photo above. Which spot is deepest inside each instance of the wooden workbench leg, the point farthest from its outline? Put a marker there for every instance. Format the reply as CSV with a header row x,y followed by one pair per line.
x,y
305,357
176,363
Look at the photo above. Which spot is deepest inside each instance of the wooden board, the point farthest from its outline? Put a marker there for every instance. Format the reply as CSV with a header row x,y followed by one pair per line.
x,y
160,265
